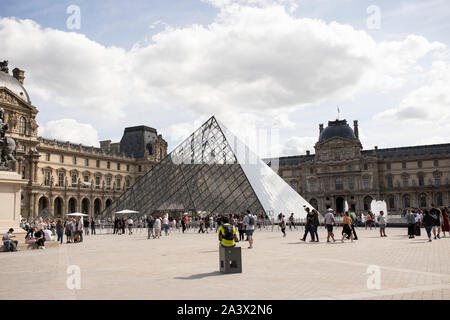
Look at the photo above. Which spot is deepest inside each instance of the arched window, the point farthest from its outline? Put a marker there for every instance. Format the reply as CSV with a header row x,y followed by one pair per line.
x,y
391,202
22,125
406,201
423,200
439,201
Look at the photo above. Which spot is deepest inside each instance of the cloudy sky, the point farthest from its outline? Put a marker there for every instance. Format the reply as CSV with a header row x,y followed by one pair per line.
x,y
275,67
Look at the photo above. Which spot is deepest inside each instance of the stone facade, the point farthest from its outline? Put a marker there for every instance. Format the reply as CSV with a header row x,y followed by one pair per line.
x,y
64,177
340,170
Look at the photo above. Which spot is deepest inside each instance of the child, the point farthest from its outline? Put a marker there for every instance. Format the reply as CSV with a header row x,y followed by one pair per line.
x,y
382,224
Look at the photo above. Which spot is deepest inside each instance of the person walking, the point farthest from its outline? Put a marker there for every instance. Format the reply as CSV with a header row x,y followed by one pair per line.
x,y
282,225
418,217
347,227
183,224
315,223
382,224
201,226
60,231
150,223
291,221
130,225
428,223
157,227
411,224
86,226
436,214
92,226
330,222
241,229
250,223
354,224
445,221
165,223
308,225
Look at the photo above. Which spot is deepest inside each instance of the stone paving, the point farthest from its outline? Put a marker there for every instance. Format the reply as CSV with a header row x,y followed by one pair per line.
x,y
185,266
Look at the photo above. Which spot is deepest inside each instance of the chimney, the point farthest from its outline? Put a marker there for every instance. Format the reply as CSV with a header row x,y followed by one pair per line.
x,y
320,128
105,145
355,128
19,75
308,152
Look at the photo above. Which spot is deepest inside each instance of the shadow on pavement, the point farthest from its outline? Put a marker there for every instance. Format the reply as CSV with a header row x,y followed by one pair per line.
x,y
201,275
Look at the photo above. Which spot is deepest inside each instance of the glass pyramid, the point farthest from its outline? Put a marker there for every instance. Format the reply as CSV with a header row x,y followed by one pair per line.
x,y
211,172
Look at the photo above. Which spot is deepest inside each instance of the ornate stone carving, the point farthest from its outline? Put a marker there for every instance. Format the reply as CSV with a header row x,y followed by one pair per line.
x,y
7,98
7,145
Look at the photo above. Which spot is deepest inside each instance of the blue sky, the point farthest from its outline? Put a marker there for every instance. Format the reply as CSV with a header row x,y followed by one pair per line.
x,y
401,73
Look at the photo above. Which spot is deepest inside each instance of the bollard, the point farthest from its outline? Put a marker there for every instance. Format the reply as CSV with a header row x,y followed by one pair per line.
x,y
230,259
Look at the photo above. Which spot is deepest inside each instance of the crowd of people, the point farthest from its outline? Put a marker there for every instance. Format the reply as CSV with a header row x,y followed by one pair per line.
x,y
434,221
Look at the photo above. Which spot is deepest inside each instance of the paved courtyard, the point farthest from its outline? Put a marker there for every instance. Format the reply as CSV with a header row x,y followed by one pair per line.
x,y
185,266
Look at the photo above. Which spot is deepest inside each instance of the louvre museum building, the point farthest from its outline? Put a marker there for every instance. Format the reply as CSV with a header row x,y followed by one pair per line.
x,y
341,171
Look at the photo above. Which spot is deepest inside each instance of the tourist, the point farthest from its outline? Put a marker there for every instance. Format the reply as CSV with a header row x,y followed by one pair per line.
x,y
382,224
315,223
418,217
80,227
48,234
308,225
122,224
250,223
227,234
165,224
347,227
282,224
201,226
411,224
68,230
445,221
157,227
29,238
207,223
86,226
9,242
92,226
59,231
183,224
354,224
119,227
150,223
40,239
241,228
291,221
211,223
436,214
130,225
116,223
428,223
369,220
330,222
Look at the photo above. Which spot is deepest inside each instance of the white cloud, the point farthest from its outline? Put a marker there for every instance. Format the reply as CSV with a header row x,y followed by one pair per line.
x,y
299,145
428,103
70,130
251,67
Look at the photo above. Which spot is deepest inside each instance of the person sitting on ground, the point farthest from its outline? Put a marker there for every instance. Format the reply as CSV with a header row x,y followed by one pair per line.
x,y
8,241
40,239
29,238
227,234
48,234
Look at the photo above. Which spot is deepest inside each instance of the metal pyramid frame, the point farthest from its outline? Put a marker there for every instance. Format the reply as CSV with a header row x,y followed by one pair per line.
x,y
210,172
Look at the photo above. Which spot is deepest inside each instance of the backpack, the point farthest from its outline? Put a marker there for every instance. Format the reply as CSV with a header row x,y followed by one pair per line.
x,y
228,233
251,220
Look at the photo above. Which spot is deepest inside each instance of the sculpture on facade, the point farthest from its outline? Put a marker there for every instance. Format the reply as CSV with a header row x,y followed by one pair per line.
x,y
4,66
7,145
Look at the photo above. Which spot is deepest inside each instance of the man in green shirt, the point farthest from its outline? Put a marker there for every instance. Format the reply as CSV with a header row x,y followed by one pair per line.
x,y
227,233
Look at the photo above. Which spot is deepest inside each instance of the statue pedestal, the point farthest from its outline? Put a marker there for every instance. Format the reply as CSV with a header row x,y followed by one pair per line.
x,y
10,199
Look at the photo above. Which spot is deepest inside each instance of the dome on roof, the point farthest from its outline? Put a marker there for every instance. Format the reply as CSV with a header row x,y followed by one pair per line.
x,y
338,128
8,81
